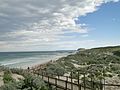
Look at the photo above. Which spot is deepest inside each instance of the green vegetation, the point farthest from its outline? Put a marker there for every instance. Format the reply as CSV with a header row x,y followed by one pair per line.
x,y
7,78
100,63
97,64
9,86
55,69
30,81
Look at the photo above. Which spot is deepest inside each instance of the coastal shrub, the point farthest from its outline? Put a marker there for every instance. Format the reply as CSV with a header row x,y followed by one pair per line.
x,y
9,86
95,84
115,67
55,69
60,71
7,77
18,71
32,82
117,53
74,75
69,64
3,68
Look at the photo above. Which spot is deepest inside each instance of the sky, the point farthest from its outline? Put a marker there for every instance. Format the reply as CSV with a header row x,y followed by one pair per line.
x,y
47,25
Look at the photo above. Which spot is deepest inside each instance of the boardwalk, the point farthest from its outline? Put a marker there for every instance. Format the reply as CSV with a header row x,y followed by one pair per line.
x,y
63,84
67,83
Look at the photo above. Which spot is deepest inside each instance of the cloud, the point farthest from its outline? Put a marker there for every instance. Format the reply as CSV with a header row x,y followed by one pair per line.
x,y
28,22
111,0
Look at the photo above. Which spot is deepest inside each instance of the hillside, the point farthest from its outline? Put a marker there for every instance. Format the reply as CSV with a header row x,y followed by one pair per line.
x,y
103,62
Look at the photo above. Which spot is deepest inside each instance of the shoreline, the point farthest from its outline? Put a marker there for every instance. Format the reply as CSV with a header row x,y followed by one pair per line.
x,y
40,66
50,61
37,62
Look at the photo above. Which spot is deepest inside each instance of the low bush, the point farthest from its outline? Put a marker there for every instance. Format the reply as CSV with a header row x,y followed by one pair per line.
x,y
7,77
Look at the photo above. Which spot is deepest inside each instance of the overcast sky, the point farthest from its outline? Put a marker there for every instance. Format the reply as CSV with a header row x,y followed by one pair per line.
x,y
30,25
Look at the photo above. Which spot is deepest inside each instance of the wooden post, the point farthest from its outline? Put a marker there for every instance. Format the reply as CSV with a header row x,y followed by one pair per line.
x,y
84,82
93,88
104,85
71,81
56,83
66,82
101,85
79,86
78,78
48,79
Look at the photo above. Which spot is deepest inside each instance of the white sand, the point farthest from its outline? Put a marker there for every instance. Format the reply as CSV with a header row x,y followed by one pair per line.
x,y
17,77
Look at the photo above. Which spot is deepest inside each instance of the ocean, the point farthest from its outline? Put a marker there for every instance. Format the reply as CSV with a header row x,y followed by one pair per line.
x,y
28,59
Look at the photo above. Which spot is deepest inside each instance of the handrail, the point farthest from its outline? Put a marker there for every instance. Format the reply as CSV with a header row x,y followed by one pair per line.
x,y
78,84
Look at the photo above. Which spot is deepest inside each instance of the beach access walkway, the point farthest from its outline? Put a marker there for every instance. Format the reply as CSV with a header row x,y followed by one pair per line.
x,y
65,82
68,83
62,83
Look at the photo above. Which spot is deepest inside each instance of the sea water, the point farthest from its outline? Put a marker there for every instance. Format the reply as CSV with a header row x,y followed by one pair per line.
x,y
28,59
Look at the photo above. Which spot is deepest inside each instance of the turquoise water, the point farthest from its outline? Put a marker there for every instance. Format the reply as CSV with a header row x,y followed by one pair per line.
x,y
27,59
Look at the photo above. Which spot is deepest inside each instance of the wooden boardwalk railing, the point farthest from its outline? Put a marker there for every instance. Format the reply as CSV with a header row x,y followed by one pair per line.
x,y
68,83
64,84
